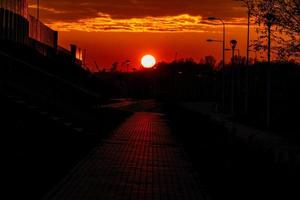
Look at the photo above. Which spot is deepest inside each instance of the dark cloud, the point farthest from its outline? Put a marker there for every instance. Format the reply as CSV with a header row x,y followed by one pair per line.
x,y
70,10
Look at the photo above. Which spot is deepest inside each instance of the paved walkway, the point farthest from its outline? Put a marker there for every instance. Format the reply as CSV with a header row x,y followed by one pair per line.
x,y
141,160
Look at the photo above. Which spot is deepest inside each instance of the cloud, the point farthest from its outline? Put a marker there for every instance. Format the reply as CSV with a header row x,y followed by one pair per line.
x,y
105,23
122,9
137,15
51,10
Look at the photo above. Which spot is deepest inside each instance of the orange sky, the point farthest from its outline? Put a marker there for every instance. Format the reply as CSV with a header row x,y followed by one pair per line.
x,y
120,30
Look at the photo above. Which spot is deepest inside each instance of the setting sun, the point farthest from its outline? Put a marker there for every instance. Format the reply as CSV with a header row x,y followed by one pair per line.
x,y
148,61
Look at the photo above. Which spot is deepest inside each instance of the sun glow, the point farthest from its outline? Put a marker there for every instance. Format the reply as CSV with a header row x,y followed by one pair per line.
x,y
148,61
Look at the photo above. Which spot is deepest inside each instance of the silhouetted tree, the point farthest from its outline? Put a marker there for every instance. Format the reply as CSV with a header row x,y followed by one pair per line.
x,y
284,18
114,67
209,60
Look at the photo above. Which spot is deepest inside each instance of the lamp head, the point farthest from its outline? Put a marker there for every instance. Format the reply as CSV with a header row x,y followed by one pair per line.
x,y
233,43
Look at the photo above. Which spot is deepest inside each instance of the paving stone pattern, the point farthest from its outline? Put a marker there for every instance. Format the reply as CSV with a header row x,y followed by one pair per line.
x,y
140,161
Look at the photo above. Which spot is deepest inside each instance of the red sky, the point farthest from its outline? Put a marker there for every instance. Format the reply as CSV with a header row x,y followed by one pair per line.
x,y
119,30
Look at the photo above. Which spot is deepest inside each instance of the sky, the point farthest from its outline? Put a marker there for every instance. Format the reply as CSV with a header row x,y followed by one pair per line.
x,y
119,30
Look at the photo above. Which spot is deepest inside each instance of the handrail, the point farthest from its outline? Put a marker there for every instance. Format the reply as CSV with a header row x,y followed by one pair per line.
x,y
51,75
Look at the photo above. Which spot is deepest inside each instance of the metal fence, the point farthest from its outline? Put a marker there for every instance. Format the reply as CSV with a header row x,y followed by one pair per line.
x,y
55,89
13,26
19,7
42,33
18,26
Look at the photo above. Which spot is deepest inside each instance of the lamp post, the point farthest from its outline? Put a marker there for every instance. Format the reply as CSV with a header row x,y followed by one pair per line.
x,y
247,61
239,54
270,19
233,46
223,54
249,5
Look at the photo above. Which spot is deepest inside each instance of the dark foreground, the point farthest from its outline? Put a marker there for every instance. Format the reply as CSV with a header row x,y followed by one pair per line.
x,y
40,144
140,160
230,167
159,152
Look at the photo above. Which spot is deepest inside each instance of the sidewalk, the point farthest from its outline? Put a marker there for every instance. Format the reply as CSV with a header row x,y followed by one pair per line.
x,y
281,150
131,105
141,160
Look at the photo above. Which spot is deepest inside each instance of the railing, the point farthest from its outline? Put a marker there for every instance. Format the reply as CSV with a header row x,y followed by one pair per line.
x,y
42,33
63,51
13,27
55,88
19,7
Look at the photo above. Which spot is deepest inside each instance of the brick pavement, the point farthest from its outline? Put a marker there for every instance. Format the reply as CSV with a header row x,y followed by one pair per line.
x,y
140,161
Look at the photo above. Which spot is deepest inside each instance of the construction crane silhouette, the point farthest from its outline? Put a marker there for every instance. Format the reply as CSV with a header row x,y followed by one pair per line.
x,y
97,67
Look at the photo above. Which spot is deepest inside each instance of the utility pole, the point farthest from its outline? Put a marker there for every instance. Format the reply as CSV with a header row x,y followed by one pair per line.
x,y
233,46
38,10
97,67
270,19
247,61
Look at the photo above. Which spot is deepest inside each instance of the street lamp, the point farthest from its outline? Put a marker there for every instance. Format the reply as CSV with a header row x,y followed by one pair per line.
x,y
270,18
223,52
233,46
250,6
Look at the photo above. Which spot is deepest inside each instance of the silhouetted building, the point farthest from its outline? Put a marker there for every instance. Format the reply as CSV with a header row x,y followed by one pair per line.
x,y
18,26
